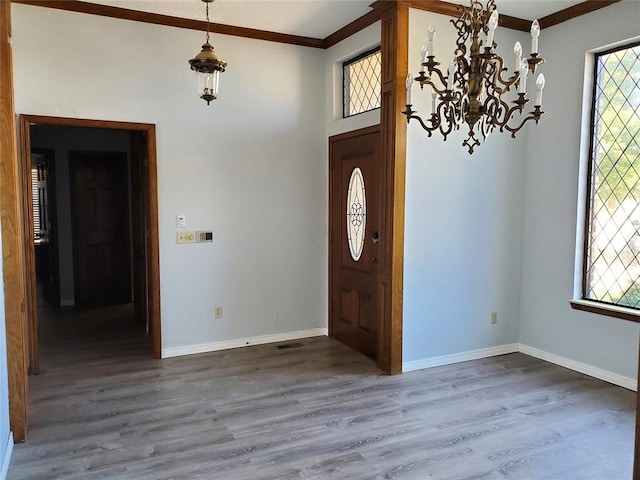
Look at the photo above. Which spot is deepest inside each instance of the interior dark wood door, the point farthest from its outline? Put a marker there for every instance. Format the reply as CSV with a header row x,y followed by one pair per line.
x,y
138,230
100,218
355,175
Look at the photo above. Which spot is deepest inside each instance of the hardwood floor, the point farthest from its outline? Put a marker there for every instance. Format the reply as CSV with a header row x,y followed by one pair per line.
x,y
103,409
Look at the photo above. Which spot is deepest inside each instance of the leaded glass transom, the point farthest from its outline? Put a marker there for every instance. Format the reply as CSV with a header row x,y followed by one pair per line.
x,y
356,213
362,83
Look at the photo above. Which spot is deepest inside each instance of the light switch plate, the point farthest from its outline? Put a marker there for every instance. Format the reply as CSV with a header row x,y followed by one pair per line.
x,y
186,237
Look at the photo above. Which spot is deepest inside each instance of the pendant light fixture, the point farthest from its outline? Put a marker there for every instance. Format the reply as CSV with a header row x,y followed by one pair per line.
x,y
208,67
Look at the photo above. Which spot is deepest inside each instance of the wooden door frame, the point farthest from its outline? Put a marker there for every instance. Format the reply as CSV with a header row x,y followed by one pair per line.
x,y
13,266
151,177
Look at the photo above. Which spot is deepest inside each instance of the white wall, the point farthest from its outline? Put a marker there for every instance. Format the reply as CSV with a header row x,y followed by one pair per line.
x,y
547,321
335,56
463,228
246,167
62,140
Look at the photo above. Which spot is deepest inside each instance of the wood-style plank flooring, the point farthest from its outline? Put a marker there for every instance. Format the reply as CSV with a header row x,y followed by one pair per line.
x,y
103,409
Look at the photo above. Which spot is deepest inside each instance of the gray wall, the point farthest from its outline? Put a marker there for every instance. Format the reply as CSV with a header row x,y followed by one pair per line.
x,y
463,225
250,166
551,215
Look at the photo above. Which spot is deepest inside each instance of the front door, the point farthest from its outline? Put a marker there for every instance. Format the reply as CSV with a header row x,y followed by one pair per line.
x,y
100,218
355,163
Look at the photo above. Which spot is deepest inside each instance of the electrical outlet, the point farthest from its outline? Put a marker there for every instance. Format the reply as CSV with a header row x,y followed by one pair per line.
x,y
181,220
217,311
186,237
494,318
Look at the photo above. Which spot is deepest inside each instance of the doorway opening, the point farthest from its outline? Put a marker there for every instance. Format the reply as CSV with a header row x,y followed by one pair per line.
x,y
92,236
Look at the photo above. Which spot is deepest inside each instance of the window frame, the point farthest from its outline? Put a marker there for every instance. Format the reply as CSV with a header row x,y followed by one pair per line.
x,y
580,300
351,61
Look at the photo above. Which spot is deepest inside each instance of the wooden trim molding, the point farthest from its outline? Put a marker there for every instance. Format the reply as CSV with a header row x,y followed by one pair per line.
x,y
606,310
167,20
395,50
574,11
354,27
13,242
31,300
451,9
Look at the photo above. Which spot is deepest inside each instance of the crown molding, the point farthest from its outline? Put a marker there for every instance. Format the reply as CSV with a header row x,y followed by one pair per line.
x,y
167,20
369,18
574,11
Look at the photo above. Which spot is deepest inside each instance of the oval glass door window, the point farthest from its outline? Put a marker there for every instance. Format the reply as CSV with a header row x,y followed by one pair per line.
x,y
356,213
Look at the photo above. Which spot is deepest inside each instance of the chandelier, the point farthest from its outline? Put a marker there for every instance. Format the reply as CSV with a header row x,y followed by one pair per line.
x,y
208,67
472,88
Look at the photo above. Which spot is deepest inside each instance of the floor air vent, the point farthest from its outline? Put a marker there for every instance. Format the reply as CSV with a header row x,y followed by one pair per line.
x,y
289,345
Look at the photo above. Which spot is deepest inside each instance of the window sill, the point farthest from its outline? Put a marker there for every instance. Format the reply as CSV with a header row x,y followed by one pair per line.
x,y
630,314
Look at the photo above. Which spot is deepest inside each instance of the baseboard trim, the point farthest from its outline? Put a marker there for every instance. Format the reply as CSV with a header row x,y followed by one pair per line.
x,y
7,457
599,373
242,342
459,357
606,375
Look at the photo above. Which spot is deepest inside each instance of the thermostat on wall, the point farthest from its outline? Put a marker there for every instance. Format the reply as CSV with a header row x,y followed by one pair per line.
x,y
204,237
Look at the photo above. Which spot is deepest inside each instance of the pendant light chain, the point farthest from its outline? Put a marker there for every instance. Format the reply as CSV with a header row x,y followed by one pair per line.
x,y
207,10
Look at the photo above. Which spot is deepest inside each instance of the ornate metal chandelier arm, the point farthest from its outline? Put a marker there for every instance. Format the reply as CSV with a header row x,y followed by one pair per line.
x,y
428,129
533,115
429,80
449,115
493,75
518,107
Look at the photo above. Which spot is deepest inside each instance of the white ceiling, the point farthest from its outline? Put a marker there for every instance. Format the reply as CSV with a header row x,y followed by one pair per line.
x,y
309,18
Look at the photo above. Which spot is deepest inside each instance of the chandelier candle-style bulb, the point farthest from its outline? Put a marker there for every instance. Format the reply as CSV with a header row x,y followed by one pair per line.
x,y
522,86
424,53
535,33
431,35
451,73
492,24
517,56
409,84
539,87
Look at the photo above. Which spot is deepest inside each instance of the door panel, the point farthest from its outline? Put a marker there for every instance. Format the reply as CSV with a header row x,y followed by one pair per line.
x,y
138,231
354,301
100,212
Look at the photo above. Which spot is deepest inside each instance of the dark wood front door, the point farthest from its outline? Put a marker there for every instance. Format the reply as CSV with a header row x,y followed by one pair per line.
x,y
100,218
354,232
